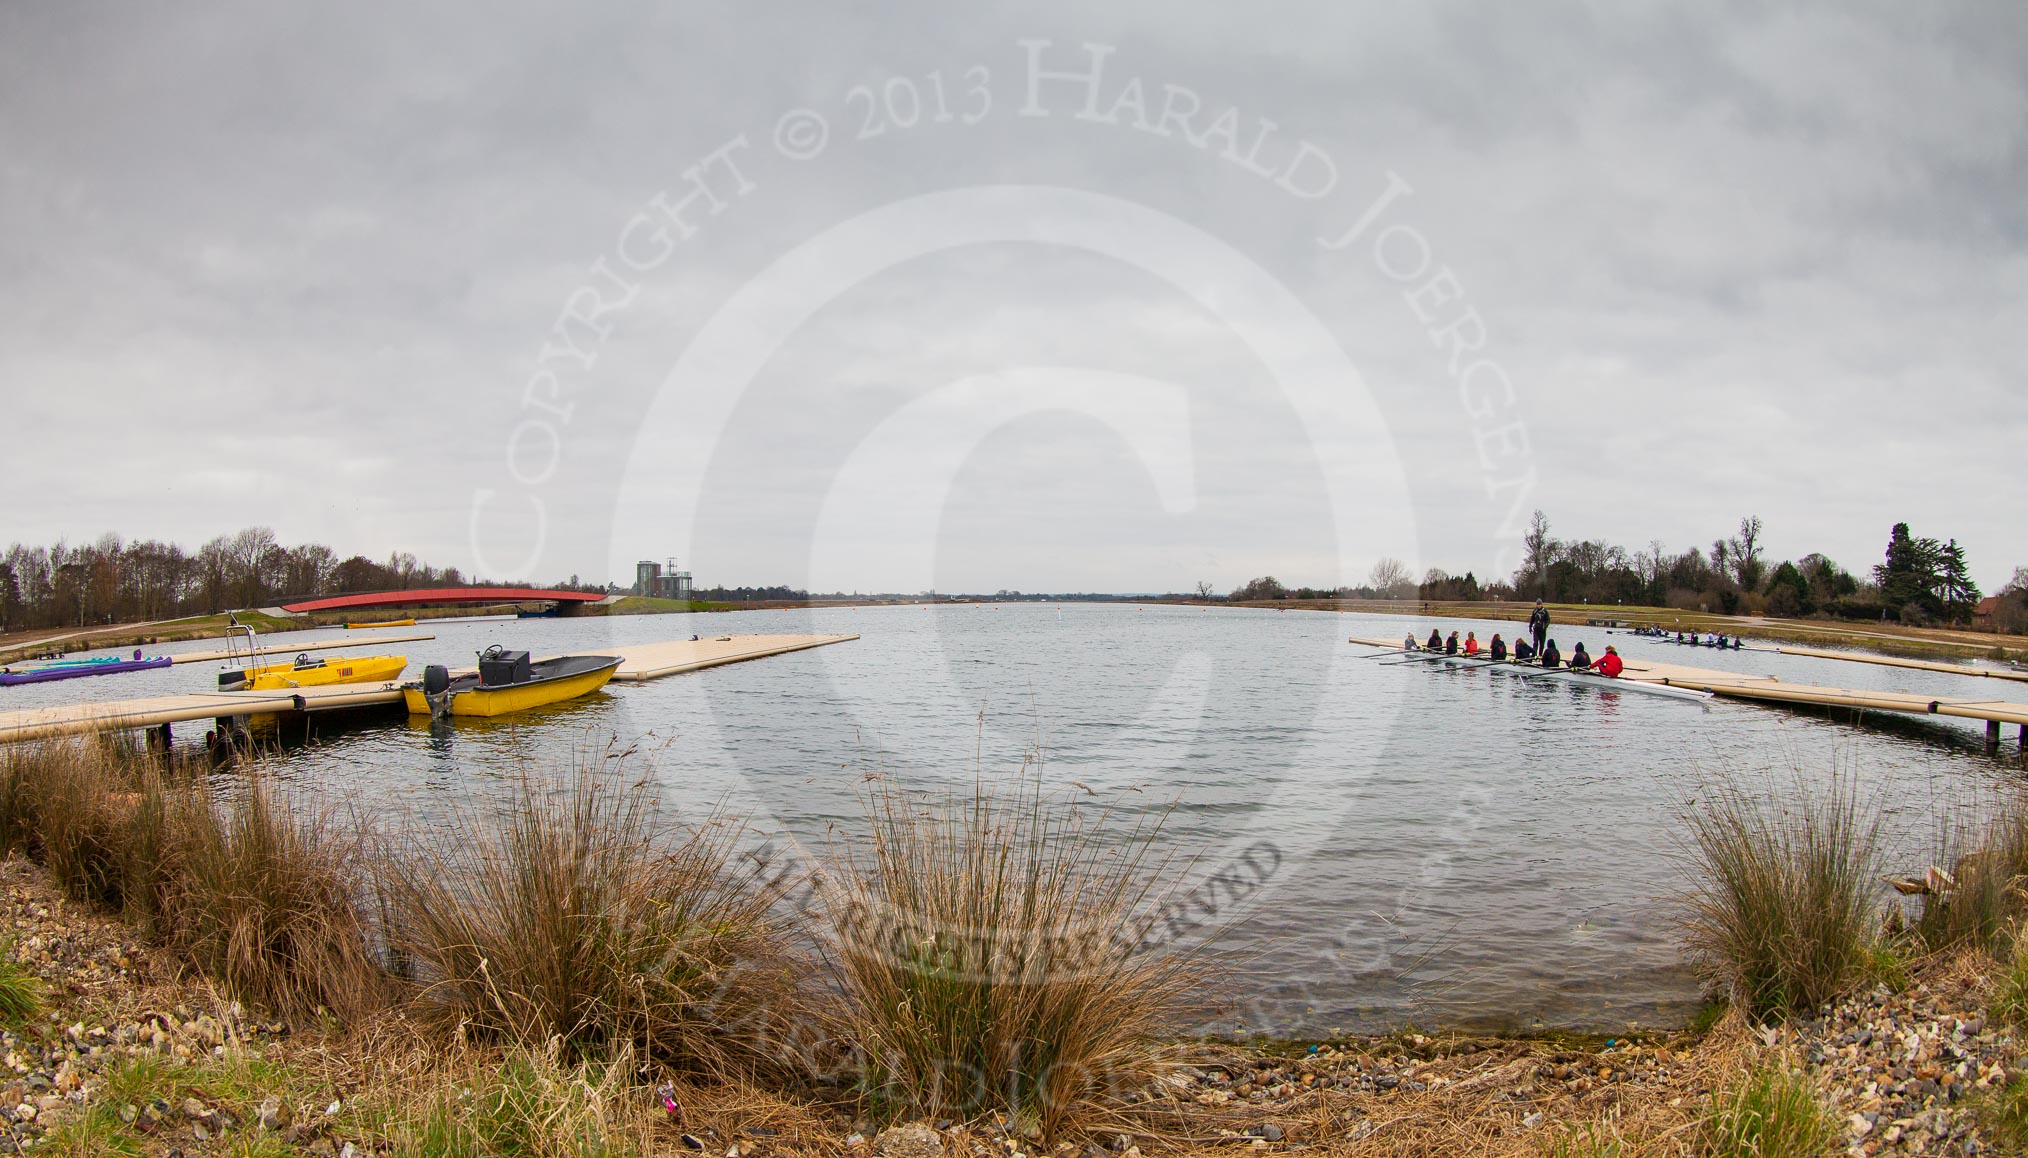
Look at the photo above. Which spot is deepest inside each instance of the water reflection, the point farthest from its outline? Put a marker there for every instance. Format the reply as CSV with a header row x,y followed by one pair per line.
x,y
1455,846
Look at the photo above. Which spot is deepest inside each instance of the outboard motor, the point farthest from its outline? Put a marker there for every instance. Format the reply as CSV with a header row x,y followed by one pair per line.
x,y
436,683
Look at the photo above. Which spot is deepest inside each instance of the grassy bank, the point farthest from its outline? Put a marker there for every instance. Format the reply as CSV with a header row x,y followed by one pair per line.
x,y
207,965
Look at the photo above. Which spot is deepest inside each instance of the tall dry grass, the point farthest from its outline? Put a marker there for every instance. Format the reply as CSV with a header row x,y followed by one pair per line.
x,y
578,915
988,953
265,901
57,809
242,889
1984,905
1785,912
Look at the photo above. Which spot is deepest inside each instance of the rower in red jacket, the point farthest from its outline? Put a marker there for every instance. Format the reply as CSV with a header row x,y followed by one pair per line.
x,y
1609,664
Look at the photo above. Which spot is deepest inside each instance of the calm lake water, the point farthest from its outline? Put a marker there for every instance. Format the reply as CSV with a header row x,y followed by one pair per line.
x,y
1397,843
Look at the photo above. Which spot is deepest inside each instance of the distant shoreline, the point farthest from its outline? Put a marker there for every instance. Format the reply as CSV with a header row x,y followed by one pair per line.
x,y
1887,638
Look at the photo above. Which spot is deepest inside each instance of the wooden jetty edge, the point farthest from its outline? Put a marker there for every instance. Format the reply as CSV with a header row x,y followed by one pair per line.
x,y
1992,673
1768,689
638,662
652,661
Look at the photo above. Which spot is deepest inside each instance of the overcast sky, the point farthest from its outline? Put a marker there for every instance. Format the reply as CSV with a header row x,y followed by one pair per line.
x,y
863,301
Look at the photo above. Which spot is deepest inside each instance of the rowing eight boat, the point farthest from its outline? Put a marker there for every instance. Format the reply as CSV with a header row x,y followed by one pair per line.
x,y
1558,675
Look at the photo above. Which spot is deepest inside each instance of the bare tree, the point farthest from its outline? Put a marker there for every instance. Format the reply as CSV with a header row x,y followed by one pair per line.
x,y
1747,565
1541,551
1204,589
1652,563
1390,577
246,552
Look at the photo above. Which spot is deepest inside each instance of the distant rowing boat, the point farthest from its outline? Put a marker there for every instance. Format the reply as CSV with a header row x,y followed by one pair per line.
x,y
382,623
1558,675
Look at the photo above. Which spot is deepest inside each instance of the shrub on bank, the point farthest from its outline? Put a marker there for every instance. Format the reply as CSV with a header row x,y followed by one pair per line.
x,y
1784,916
989,952
576,916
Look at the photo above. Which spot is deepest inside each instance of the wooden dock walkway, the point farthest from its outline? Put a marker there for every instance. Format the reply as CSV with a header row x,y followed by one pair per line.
x,y
652,661
1769,689
1991,673
638,663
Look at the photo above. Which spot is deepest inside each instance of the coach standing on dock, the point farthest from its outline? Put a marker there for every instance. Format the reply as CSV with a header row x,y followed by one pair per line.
x,y
1538,625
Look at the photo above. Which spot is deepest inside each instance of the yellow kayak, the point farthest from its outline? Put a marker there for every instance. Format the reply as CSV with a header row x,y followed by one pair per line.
x,y
383,623
311,673
507,681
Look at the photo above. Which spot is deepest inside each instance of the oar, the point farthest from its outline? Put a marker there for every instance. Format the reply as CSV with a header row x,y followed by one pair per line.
x,y
1456,660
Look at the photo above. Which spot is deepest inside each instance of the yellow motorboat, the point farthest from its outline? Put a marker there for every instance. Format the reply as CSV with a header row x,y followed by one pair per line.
x,y
507,681
306,672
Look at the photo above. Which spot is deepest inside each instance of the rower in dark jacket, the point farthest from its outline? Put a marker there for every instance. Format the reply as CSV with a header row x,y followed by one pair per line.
x,y
1499,650
1580,660
1551,657
1436,641
1451,644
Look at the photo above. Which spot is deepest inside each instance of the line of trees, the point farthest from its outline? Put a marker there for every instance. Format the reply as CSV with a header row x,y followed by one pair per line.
x,y
1921,580
2010,614
117,581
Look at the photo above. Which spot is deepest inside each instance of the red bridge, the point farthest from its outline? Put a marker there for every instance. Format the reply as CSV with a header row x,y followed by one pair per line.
x,y
438,596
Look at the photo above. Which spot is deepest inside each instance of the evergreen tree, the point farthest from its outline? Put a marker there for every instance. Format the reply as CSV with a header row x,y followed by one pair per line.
x,y
1955,589
1907,578
1926,579
1788,593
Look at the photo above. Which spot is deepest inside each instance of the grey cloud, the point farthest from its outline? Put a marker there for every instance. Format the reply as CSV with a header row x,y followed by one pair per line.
x,y
1734,259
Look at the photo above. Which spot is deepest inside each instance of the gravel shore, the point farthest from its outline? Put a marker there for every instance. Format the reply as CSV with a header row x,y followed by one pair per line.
x,y
1902,1072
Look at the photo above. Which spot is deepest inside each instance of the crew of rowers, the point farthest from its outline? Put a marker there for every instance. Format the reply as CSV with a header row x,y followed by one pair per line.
x,y
1694,639
1608,665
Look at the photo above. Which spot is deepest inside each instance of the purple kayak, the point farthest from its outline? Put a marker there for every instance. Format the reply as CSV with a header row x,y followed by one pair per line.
x,y
77,670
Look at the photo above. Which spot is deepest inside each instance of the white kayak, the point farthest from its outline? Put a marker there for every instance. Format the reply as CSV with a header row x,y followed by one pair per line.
x,y
1558,675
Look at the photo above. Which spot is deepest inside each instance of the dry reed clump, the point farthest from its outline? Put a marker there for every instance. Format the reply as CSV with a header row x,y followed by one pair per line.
x,y
263,900
577,916
257,900
72,806
988,950
1983,904
1785,912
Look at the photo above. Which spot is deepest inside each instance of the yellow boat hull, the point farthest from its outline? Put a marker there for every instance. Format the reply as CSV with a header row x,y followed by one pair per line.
x,y
382,623
359,669
513,697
